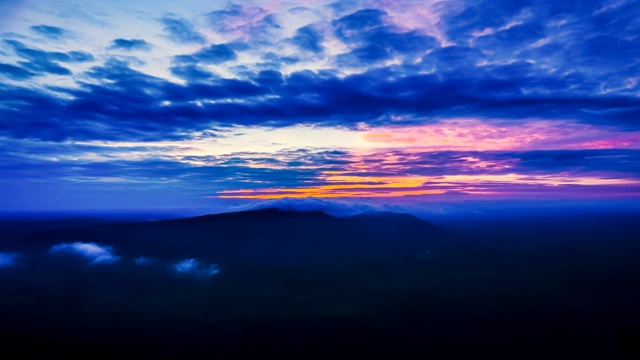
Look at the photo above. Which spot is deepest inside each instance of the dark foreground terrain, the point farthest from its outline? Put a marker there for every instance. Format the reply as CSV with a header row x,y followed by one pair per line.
x,y
308,285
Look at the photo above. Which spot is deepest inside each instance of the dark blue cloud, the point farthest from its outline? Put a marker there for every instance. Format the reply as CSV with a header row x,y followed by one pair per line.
x,y
191,72
607,50
130,44
625,161
497,59
228,89
15,72
213,54
360,20
232,10
308,39
181,31
372,41
29,162
187,179
517,20
269,78
537,60
254,23
274,61
136,106
521,162
46,67
457,60
52,32
364,56
238,46
80,56
400,42
589,36
37,55
39,61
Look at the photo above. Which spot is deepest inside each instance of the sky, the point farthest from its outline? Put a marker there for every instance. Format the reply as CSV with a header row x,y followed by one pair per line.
x,y
212,104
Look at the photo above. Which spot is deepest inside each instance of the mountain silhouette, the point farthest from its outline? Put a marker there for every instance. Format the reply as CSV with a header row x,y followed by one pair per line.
x,y
267,234
288,284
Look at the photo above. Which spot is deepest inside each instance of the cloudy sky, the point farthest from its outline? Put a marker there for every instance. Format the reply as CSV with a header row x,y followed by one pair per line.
x,y
133,104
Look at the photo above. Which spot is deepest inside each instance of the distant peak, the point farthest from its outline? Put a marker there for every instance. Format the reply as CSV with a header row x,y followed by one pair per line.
x,y
285,211
333,208
266,212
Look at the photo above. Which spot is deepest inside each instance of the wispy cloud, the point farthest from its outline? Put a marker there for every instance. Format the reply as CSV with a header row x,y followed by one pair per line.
x,y
195,267
8,259
51,32
95,253
181,31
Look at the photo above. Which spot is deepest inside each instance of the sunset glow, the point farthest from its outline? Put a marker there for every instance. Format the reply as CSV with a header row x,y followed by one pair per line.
x,y
193,104
390,186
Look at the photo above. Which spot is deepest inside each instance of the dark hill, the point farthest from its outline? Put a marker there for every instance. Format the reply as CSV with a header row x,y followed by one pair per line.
x,y
297,285
269,234
397,224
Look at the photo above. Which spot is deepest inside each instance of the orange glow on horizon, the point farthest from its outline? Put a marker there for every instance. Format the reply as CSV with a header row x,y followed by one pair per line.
x,y
311,193
345,186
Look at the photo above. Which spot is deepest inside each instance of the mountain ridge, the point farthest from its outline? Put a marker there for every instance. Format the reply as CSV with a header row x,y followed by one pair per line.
x,y
264,234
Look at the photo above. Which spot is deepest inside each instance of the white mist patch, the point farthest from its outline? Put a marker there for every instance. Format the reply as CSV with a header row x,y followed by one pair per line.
x,y
95,253
194,267
8,259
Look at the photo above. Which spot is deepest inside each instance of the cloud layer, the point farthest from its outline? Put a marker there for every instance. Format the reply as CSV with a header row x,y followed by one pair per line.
x,y
530,60
365,98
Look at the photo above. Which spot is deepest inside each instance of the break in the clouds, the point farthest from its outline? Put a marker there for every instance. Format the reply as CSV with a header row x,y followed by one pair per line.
x,y
94,253
163,104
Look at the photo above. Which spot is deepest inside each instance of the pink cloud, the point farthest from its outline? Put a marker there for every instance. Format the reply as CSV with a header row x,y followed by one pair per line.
x,y
422,16
487,135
